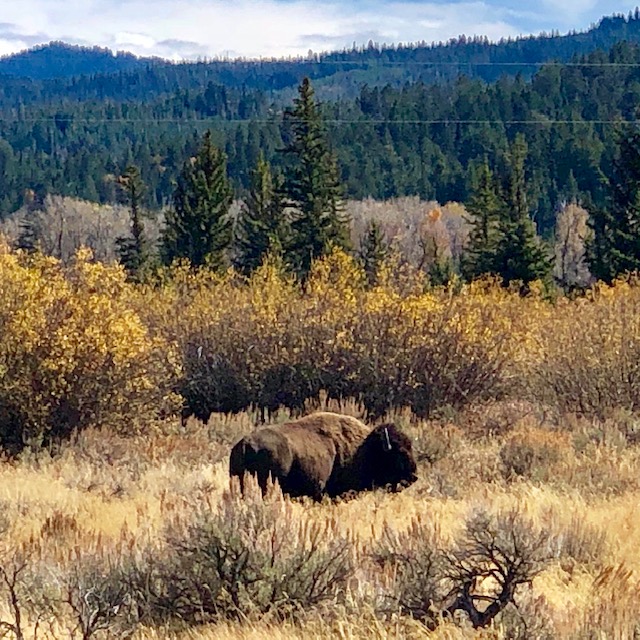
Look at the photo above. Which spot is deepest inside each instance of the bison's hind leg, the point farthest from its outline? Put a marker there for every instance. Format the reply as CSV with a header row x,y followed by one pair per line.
x,y
240,485
250,481
265,468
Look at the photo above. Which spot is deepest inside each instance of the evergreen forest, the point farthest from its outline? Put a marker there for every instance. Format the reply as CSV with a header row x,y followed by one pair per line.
x,y
414,120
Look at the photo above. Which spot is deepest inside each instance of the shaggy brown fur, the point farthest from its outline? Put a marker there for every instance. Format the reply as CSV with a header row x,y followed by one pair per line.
x,y
325,453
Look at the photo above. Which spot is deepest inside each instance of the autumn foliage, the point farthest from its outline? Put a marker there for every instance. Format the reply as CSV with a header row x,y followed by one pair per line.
x,y
73,351
80,346
269,341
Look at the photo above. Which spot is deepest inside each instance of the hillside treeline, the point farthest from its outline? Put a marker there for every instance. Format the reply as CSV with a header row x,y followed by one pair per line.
x,y
420,139
60,69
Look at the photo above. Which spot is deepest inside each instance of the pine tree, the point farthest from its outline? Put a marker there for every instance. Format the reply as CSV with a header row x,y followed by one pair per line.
x,y
134,251
486,207
31,225
520,255
198,226
261,227
28,238
572,191
615,244
312,186
374,250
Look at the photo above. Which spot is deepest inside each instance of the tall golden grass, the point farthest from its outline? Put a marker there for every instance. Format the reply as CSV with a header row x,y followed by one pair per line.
x,y
108,500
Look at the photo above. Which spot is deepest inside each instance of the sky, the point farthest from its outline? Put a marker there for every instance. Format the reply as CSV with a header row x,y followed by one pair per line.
x,y
191,29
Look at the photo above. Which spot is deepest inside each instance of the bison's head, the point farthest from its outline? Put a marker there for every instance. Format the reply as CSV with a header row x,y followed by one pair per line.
x,y
389,458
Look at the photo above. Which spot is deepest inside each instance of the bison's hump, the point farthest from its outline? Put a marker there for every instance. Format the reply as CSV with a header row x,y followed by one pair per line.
x,y
345,433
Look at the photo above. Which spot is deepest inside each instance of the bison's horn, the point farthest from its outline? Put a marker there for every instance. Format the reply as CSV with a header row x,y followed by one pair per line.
x,y
386,437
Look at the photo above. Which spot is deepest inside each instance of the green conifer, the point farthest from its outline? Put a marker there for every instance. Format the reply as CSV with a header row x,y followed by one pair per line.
x,y
198,226
614,248
374,250
312,186
133,250
261,227
485,206
520,255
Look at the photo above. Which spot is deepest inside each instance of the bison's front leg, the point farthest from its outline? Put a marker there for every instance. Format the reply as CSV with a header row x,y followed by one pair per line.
x,y
299,483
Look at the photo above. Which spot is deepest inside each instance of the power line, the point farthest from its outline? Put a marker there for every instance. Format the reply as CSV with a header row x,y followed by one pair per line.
x,y
336,121
450,63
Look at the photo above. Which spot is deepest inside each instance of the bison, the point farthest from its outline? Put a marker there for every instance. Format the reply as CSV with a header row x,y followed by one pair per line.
x,y
325,454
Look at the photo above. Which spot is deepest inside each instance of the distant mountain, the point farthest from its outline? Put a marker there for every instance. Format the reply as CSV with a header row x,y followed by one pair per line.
x,y
60,60
336,74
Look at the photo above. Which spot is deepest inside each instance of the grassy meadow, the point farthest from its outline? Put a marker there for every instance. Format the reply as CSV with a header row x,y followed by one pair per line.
x,y
106,503
118,521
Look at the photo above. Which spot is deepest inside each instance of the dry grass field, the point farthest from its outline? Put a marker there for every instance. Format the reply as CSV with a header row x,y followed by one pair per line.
x,y
107,507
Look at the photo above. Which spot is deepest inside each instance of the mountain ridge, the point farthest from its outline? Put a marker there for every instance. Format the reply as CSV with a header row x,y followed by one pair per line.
x,y
397,128
418,61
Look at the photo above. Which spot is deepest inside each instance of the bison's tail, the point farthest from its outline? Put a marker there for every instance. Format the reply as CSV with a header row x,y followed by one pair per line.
x,y
236,466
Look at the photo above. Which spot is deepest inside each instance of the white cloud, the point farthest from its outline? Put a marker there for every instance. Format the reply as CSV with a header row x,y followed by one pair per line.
x,y
191,28
7,47
570,7
128,40
569,11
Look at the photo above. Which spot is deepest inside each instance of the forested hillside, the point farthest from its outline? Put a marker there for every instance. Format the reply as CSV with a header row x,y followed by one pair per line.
x,y
416,140
71,135
345,70
61,60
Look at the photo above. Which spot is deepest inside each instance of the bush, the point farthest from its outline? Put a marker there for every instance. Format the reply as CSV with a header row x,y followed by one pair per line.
x,y
534,453
93,596
271,342
435,349
245,559
591,352
73,353
507,550
415,560
479,575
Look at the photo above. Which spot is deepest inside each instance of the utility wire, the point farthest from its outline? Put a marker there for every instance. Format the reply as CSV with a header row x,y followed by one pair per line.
x,y
337,121
357,63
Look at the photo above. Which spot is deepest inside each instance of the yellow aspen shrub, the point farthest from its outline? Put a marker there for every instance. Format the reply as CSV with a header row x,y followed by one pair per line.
x,y
591,351
270,341
436,348
329,307
271,289
207,317
73,353
265,340
337,276
383,335
291,332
